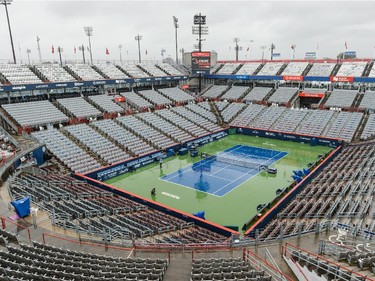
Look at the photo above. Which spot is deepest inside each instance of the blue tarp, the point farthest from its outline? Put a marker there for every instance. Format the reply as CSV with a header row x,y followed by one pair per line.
x,y
22,207
199,215
306,171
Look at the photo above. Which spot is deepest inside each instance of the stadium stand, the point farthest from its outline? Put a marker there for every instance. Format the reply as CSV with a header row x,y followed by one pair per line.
x,y
245,118
267,117
345,125
146,132
176,94
315,122
235,93
35,114
152,70
248,68
368,101
155,97
136,101
202,110
295,68
228,68
18,74
283,95
220,105
215,68
73,156
231,111
164,126
372,72
341,98
45,262
271,68
84,72
79,107
353,69
106,103
182,122
369,129
97,143
123,137
169,69
215,91
133,70
111,71
321,69
257,94
54,73
289,120
196,118
226,269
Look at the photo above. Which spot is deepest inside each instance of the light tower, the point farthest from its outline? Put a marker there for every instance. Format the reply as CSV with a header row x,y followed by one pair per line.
x,y
175,23
263,48
120,47
139,38
237,48
88,31
6,3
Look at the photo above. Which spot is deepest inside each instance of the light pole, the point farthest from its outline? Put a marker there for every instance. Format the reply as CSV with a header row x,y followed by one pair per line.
x,y
237,48
263,48
88,30
162,54
82,48
175,22
139,38
28,51
120,47
182,51
294,50
272,48
60,50
6,3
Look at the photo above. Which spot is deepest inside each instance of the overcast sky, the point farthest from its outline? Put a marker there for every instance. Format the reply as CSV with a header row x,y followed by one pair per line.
x,y
305,24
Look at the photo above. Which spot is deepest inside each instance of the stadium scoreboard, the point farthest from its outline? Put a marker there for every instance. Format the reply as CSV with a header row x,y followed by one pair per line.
x,y
201,62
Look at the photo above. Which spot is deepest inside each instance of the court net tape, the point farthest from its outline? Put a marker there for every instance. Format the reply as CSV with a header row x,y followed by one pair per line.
x,y
233,160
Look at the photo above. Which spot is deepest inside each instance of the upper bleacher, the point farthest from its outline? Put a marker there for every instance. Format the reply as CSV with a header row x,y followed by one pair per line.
x,y
85,72
283,95
152,69
228,68
111,71
235,93
271,68
354,69
106,103
54,73
79,107
295,68
257,94
169,69
176,94
341,98
18,74
215,91
136,100
368,101
133,70
248,68
321,69
155,97
35,114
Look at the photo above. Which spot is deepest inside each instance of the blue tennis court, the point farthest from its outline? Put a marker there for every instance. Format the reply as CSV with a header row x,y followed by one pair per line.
x,y
223,172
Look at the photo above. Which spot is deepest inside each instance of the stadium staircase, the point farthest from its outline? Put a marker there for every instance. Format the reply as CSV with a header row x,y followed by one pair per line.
x,y
145,71
358,99
85,148
175,123
324,100
206,89
238,68
192,121
307,69
123,70
158,66
100,72
258,69
217,69
360,128
282,69
71,72
216,111
367,69
269,95
38,73
336,69
223,93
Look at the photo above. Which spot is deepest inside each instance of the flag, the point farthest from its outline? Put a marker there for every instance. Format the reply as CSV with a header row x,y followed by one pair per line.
x,y
230,48
346,45
293,47
53,50
146,52
107,52
317,46
248,49
75,50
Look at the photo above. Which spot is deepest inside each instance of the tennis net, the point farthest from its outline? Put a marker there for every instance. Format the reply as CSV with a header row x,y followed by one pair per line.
x,y
242,162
